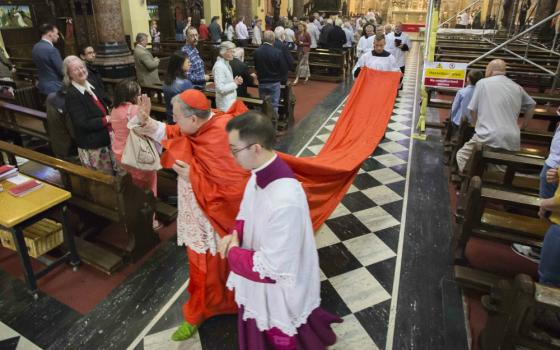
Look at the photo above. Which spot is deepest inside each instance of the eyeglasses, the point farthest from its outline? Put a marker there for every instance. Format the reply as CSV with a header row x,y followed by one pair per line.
x,y
234,152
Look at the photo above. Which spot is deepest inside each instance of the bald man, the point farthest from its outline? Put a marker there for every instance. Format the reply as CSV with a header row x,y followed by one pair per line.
x,y
398,44
495,106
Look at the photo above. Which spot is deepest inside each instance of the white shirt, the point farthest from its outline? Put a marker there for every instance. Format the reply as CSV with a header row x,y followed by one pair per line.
x,y
278,228
390,46
464,19
498,101
314,34
226,88
89,88
230,33
384,62
364,45
241,31
257,36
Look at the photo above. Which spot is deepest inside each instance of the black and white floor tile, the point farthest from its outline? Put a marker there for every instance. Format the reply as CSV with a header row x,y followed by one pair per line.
x,y
357,245
12,340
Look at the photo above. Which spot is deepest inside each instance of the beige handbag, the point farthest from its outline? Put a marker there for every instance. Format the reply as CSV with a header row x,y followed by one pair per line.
x,y
139,151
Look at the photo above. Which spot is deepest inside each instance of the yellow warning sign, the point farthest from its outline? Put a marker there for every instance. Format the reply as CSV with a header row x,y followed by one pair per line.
x,y
445,73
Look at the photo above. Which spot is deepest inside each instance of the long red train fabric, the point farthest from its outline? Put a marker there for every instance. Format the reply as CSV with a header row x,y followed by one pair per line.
x,y
218,182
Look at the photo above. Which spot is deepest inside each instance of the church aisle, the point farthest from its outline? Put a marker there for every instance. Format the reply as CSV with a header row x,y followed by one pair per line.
x,y
357,245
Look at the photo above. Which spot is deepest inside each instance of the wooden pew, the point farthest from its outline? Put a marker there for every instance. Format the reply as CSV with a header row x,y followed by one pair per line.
x,y
113,198
481,219
22,120
283,120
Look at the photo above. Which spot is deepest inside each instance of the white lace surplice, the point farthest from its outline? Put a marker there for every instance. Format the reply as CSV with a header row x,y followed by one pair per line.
x,y
278,228
193,228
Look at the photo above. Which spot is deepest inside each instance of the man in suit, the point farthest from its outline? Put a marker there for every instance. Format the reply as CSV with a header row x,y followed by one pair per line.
x,y
48,61
271,68
145,63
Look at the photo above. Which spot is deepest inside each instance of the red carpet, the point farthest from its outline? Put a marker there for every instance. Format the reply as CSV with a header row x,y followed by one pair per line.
x,y
307,96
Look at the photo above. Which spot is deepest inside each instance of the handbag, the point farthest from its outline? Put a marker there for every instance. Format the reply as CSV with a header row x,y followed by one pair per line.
x,y
139,151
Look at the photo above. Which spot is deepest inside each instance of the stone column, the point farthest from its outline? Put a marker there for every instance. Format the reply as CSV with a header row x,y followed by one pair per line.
x,y
114,58
298,8
243,8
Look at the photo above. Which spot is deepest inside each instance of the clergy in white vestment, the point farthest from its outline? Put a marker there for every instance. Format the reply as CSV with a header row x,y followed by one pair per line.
x,y
377,58
398,44
271,253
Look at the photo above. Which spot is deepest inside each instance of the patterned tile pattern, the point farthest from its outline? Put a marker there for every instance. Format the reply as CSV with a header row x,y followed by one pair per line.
x,y
357,245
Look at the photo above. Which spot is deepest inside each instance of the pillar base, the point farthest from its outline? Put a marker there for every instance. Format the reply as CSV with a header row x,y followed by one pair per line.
x,y
116,66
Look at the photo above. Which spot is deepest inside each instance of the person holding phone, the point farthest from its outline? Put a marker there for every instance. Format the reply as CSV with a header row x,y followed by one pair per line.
x,y
398,43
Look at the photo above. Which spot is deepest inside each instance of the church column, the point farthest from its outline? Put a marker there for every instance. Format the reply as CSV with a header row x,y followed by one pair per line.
x,y
114,58
212,8
135,18
244,8
545,9
298,8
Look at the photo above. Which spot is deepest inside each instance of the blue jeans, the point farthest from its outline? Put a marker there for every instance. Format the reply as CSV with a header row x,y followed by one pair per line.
x,y
546,190
549,267
272,90
179,37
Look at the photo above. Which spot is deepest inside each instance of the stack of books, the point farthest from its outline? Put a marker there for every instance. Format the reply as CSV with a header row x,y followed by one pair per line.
x,y
25,188
7,171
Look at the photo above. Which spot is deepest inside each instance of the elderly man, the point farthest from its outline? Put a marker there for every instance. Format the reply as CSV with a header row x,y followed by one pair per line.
x,y
196,72
47,59
378,58
271,67
280,44
398,44
197,149
6,67
145,63
495,106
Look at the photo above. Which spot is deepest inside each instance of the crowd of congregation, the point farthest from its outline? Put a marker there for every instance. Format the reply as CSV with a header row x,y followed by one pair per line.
x,y
92,126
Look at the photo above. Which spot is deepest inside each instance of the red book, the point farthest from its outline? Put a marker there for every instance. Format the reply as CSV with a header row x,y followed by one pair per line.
x,y
25,188
7,171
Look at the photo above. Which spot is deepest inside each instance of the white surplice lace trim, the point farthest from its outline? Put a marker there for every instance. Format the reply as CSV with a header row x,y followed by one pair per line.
x,y
193,228
261,266
264,324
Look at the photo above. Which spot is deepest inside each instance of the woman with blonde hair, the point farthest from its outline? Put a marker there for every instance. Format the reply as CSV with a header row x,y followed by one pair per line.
x,y
90,117
304,43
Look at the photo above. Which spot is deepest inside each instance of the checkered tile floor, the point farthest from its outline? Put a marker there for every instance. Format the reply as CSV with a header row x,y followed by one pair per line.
x,y
357,245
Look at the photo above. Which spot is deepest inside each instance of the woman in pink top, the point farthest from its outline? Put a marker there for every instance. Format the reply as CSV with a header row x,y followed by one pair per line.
x,y
125,108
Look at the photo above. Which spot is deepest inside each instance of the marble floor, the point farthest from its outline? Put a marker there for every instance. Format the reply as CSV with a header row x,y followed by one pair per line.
x,y
375,257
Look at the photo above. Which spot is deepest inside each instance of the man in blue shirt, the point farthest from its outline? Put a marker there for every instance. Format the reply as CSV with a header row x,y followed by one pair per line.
x,y
463,97
196,73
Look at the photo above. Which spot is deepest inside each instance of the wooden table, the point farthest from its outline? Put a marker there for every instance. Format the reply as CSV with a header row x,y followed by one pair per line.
x,y
20,212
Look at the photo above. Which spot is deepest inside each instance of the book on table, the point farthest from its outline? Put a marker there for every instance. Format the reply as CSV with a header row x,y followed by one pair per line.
x,y
7,171
25,188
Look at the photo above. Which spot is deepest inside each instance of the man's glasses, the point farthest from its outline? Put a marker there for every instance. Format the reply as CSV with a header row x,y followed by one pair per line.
x,y
235,151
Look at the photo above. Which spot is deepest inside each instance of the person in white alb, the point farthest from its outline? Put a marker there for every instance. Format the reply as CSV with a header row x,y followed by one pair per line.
x,y
271,253
242,33
378,58
495,106
398,44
